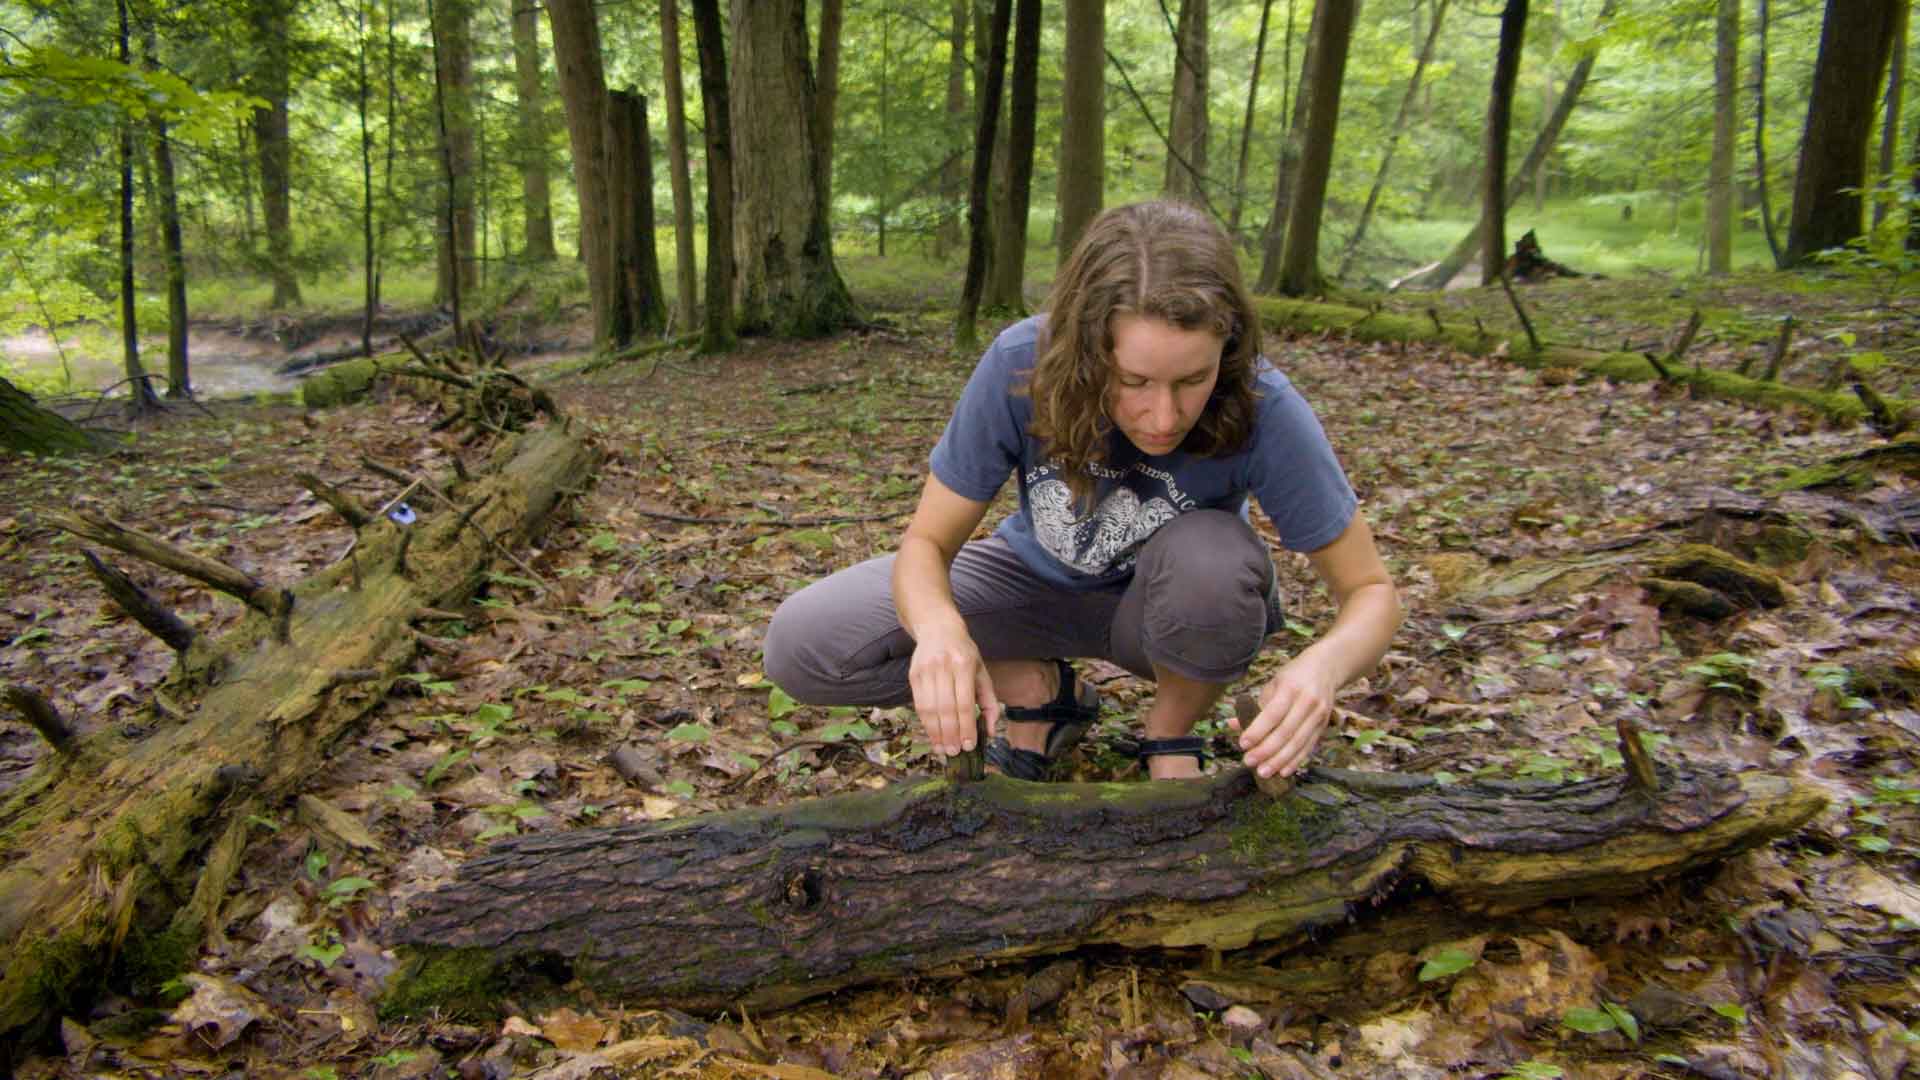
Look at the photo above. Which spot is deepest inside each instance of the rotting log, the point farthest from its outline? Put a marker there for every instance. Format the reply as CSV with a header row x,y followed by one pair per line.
x,y
770,906
146,831
1308,316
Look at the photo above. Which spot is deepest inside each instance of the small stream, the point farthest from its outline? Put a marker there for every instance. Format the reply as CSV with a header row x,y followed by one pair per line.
x,y
222,364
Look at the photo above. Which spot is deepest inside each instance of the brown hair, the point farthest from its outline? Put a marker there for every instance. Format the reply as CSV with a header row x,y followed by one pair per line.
x,y
1164,260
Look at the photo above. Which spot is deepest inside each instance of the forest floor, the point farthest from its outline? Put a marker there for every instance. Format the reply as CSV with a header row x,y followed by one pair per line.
x,y
731,481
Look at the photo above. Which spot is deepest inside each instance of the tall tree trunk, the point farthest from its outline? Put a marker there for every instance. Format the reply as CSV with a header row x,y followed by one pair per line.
x,y
1437,275
636,272
1007,281
140,396
717,332
1493,182
1890,124
1913,170
1082,176
1726,107
1187,128
987,114
179,380
953,177
1246,123
1300,258
1855,39
785,281
686,283
536,187
452,26
272,137
826,98
1760,133
370,265
1274,240
1393,138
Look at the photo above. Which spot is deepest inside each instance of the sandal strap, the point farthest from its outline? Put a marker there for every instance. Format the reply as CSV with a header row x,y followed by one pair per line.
x,y
1067,714
1017,763
1185,744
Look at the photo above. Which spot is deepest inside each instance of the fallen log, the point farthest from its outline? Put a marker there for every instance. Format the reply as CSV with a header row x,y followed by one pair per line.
x,y
770,906
123,848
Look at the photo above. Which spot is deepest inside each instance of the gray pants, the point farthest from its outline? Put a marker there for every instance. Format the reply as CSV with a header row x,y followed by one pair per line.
x,y
1201,601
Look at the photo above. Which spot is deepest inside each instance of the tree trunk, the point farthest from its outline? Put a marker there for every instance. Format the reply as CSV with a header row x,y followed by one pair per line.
x,y
827,92
785,281
717,332
1855,39
1082,175
1274,239
638,306
1187,128
179,379
1300,258
1393,138
141,398
453,71
1493,182
1760,132
1890,122
146,829
25,427
1726,108
271,23
953,178
685,273
1246,123
1439,274
369,252
1006,283
986,119
769,906
535,183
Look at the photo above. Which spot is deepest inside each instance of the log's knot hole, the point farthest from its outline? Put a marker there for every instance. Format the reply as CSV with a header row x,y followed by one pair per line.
x,y
801,892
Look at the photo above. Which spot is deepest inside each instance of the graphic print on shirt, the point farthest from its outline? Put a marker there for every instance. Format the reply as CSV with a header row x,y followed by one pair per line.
x,y
1109,538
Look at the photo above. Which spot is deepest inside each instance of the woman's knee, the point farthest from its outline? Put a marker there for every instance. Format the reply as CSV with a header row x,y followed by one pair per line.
x,y
1208,578
827,643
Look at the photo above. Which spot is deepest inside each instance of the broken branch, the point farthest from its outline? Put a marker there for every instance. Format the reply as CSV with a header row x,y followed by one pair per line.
x,y
39,712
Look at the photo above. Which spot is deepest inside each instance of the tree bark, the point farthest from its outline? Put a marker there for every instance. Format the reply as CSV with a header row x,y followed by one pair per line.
x,y
179,379
453,70
1187,127
785,281
1246,123
986,119
1493,182
535,182
1006,284
685,272
953,176
1726,109
140,396
1300,257
769,906
826,99
1082,176
1890,119
1760,132
1855,39
1393,138
26,427
717,333
1274,238
149,828
638,306
271,23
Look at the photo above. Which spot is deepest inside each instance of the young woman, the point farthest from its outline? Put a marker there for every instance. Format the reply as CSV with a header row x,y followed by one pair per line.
x,y
1136,417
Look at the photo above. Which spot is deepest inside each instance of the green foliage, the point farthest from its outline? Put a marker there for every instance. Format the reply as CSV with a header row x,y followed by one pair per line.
x,y
1446,963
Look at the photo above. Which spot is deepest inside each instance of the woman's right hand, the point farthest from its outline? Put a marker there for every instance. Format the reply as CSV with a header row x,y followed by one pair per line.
x,y
949,681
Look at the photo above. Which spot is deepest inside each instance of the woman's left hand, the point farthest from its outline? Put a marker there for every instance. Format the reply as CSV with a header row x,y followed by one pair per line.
x,y
1294,708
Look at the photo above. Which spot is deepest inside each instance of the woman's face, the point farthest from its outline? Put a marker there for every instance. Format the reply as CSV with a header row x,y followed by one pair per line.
x,y
1161,380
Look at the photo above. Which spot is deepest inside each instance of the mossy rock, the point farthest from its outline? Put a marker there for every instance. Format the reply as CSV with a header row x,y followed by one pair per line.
x,y
1740,581
348,381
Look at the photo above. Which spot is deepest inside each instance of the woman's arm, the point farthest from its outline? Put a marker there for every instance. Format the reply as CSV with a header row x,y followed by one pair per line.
x,y
1297,701
947,675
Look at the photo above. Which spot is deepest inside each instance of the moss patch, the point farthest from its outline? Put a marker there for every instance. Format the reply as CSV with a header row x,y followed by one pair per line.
x,y
459,982
344,382
1266,829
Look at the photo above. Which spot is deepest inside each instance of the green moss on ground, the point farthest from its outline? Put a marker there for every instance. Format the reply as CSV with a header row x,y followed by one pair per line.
x,y
456,982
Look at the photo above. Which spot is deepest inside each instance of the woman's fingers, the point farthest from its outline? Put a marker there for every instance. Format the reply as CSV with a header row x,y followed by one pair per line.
x,y
1278,742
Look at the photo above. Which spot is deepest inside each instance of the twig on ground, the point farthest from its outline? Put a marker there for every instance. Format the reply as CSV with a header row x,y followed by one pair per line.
x,y
1532,337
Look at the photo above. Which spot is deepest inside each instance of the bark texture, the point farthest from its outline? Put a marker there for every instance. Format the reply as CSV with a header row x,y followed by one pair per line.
x,y
1855,39
453,68
685,271
1187,127
785,281
769,906
716,334
25,426
1300,257
145,832
990,42
271,21
1726,102
1493,181
1083,122
1007,276
638,307
535,182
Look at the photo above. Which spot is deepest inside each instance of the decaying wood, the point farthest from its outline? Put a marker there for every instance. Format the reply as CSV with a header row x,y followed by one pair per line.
x,y
97,527
769,906
40,713
345,505
162,817
145,610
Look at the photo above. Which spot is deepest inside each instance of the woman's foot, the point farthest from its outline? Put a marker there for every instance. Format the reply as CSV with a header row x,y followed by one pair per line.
x,y
1058,707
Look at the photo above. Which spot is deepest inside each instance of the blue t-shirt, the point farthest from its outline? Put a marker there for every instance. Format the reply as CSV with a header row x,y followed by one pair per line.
x,y
1288,465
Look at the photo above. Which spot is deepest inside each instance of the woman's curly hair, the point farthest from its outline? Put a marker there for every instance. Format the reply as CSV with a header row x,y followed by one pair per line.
x,y
1162,260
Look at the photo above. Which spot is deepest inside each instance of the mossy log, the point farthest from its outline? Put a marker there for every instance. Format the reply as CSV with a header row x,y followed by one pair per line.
x,y
129,841
770,906
25,426
1362,324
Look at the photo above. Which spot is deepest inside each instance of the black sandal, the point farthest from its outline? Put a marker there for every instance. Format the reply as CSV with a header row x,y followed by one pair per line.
x,y
1185,744
1068,715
